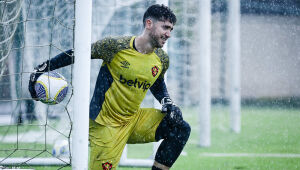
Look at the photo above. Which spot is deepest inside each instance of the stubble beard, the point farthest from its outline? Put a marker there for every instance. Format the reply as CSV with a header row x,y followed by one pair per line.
x,y
155,40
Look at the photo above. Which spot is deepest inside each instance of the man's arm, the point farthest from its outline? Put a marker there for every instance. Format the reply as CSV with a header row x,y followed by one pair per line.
x,y
61,60
104,49
159,89
173,113
98,51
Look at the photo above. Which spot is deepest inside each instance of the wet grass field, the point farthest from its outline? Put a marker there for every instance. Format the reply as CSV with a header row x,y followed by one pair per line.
x,y
269,139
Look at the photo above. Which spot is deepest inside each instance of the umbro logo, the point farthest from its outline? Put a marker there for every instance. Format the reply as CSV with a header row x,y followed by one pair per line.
x,y
125,64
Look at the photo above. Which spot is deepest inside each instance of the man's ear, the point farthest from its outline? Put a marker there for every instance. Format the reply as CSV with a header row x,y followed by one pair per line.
x,y
149,23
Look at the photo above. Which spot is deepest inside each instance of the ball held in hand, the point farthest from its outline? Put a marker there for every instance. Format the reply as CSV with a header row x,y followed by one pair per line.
x,y
51,88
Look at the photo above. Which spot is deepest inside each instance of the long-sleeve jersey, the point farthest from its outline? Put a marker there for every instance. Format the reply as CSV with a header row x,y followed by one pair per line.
x,y
123,80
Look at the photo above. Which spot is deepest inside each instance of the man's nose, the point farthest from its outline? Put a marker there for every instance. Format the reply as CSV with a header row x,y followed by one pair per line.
x,y
168,34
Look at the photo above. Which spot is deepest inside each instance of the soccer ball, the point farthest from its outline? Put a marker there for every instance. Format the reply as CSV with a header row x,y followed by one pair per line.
x,y
51,88
61,148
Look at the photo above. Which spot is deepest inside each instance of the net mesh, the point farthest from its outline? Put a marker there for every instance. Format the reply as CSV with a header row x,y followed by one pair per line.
x,y
33,31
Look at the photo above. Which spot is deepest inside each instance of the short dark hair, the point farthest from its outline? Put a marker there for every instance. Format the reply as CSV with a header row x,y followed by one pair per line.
x,y
160,13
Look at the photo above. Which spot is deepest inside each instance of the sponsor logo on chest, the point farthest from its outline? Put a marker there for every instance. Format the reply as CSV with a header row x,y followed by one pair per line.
x,y
144,85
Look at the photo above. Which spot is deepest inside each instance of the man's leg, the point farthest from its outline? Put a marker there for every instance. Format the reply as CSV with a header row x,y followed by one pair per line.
x,y
175,137
152,125
106,145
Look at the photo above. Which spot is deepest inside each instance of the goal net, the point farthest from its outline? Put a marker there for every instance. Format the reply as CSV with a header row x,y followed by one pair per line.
x,y
33,31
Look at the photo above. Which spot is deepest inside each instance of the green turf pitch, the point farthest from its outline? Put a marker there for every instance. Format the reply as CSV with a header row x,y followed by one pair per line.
x,y
266,133
269,139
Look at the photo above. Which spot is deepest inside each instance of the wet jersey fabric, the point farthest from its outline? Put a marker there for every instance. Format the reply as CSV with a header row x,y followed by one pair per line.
x,y
124,79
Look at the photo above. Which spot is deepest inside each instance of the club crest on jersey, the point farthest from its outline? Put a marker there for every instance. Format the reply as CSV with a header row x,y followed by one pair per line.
x,y
154,71
106,166
125,64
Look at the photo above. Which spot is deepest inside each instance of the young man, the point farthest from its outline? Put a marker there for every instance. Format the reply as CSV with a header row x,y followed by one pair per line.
x,y
131,66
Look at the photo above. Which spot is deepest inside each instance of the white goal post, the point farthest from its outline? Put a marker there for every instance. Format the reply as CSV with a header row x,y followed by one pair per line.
x,y
204,109
82,51
233,53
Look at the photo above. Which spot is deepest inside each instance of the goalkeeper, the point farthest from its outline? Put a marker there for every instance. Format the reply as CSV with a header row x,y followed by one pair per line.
x,y
131,65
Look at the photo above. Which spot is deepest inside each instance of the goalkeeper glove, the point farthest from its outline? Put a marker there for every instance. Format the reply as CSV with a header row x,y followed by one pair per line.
x,y
39,70
61,60
172,111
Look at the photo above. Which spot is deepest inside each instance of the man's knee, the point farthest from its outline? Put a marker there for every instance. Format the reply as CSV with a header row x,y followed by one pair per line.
x,y
180,131
184,132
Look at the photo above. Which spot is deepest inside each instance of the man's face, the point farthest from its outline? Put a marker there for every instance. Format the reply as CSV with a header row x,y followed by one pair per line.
x,y
160,32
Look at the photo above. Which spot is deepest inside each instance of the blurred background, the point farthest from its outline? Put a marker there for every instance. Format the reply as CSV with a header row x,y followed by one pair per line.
x,y
268,42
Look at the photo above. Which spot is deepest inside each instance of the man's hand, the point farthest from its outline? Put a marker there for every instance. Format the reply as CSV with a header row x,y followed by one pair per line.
x,y
39,70
173,112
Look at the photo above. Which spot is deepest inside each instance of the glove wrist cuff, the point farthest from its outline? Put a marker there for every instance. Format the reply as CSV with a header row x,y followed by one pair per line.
x,y
42,67
166,100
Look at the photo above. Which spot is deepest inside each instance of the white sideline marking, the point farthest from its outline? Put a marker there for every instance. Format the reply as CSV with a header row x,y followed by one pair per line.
x,y
5,120
277,155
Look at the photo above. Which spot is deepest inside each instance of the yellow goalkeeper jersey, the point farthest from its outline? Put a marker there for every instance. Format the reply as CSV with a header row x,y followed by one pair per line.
x,y
124,79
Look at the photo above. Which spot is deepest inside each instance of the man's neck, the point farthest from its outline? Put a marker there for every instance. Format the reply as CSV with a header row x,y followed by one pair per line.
x,y
143,45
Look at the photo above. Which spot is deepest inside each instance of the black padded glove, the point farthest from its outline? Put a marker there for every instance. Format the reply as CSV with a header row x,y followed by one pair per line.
x,y
39,70
61,60
172,111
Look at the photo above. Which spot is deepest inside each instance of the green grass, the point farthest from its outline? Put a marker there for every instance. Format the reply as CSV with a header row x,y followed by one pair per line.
x,y
264,130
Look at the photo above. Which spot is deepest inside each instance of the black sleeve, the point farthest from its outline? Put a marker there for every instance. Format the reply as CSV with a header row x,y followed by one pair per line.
x,y
61,60
159,89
